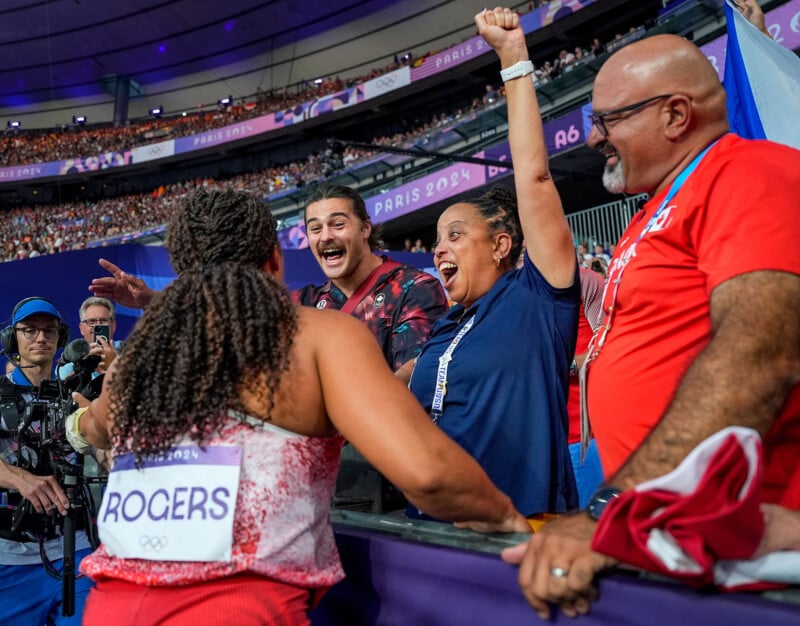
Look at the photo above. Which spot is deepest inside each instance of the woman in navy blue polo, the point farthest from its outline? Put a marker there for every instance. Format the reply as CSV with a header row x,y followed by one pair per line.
x,y
494,374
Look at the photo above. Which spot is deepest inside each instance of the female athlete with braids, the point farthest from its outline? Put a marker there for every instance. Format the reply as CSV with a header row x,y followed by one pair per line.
x,y
225,415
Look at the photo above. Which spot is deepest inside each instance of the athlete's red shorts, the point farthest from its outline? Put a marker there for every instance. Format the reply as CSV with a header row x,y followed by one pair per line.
x,y
244,600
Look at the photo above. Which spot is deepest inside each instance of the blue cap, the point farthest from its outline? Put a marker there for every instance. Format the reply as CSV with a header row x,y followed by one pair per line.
x,y
32,307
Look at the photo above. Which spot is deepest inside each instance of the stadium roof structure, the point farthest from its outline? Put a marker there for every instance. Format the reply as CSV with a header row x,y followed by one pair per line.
x,y
53,49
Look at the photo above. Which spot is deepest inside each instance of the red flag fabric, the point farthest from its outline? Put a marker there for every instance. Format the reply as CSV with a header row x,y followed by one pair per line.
x,y
706,510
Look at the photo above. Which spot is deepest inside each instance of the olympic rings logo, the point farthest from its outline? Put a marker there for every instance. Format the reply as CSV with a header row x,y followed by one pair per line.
x,y
386,81
155,150
153,543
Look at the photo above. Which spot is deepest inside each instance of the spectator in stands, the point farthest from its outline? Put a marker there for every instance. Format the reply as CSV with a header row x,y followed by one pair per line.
x,y
491,96
585,463
496,368
597,48
599,266
539,76
94,312
418,246
398,303
564,61
727,350
600,253
280,387
584,256
753,13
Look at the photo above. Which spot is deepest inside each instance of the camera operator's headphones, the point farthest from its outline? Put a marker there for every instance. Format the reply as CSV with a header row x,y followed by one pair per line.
x,y
24,309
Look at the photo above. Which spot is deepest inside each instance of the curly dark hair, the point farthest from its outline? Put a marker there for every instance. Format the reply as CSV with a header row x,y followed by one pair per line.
x,y
222,327
498,207
325,191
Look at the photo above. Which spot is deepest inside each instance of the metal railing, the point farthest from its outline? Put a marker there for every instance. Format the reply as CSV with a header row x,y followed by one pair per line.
x,y
604,224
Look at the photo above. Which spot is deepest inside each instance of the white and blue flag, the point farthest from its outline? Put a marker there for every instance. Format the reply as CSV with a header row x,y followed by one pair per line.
x,y
762,80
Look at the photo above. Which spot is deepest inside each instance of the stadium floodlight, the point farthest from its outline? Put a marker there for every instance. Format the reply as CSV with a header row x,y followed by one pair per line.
x,y
79,120
14,124
156,111
224,103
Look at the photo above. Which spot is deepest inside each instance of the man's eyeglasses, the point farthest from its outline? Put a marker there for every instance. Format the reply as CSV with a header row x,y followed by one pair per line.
x,y
599,119
30,333
97,320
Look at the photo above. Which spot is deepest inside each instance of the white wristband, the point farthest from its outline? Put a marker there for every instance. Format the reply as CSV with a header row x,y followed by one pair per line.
x,y
518,70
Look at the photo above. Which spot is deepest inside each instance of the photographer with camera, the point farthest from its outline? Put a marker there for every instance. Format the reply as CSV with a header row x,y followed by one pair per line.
x,y
28,594
98,324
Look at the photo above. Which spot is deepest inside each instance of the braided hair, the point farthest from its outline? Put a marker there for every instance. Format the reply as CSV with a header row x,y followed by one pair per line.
x,y
498,207
224,327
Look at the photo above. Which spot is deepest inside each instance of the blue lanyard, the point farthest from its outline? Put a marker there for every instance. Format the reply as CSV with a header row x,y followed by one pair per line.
x,y
599,337
673,190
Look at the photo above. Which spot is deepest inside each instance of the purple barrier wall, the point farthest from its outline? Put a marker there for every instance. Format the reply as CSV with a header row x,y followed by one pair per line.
x,y
403,583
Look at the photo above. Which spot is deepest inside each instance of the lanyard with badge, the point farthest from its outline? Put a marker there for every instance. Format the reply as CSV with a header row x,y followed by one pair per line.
x,y
599,337
437,405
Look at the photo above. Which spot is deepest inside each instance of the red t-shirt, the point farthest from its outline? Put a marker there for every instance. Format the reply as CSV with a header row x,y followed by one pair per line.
x,y
736,213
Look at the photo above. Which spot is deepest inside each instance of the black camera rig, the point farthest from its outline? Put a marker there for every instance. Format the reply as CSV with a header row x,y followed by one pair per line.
x,y
39,436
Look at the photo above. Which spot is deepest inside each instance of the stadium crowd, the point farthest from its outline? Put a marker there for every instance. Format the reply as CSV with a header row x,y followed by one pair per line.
x,y
20,146
724,358
33,230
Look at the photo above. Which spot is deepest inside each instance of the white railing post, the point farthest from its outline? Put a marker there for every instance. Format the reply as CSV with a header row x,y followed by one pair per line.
x,y
605,223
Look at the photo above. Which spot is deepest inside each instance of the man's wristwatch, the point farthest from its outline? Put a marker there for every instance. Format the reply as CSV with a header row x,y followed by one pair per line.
x,y
599,501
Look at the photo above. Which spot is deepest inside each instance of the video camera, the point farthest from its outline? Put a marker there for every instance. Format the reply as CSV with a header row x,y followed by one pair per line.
x,y
83,366
42,449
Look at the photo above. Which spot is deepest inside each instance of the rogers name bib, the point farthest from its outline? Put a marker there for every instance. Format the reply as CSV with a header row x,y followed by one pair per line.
x,y
177,506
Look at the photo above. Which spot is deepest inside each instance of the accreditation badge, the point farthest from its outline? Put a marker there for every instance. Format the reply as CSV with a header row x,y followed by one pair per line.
x,y
176,506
